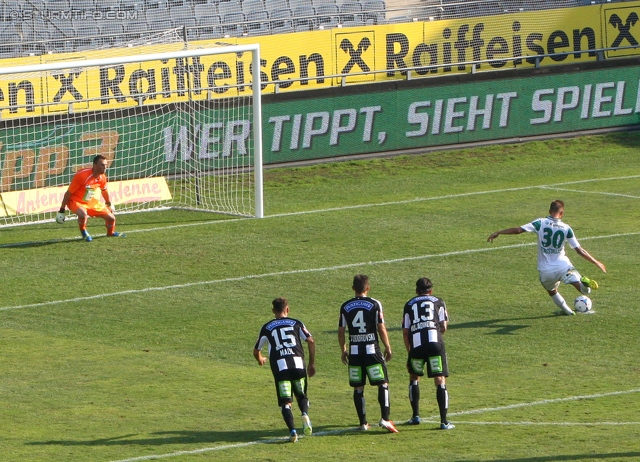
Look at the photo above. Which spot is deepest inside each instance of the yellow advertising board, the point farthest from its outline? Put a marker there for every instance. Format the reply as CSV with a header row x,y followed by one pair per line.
x,y
42,200
309,60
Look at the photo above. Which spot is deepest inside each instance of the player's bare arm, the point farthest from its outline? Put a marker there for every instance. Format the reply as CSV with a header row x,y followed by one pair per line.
x,y
258,355
587,256
384,338
517,230
344,356
405,337
311,366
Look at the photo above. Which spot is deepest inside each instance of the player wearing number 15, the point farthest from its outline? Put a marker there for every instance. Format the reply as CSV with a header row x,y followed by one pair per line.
x,y
284,336
83,198
425,319
362,317
554,266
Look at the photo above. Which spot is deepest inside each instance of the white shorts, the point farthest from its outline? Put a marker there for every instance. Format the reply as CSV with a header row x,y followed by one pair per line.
x,y
550,280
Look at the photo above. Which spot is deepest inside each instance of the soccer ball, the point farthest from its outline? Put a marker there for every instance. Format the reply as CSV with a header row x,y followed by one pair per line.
x,y
582,304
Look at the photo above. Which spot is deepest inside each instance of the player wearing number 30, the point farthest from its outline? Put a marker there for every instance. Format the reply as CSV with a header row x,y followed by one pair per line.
x,y
553,264
284,336
425,319
362,317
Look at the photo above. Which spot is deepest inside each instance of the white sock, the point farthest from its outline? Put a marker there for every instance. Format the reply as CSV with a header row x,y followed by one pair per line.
x,y
559,300
584,289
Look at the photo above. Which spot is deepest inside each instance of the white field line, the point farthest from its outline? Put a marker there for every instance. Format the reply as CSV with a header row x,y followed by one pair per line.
x,y
560,424
592,192
291,272
430,420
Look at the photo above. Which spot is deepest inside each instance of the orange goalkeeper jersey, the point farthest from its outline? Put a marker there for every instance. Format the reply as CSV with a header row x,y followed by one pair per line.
x,y
85,189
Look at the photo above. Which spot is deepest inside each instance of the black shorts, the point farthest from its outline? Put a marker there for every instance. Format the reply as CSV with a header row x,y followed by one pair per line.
x,y
363,366
290,383
432,354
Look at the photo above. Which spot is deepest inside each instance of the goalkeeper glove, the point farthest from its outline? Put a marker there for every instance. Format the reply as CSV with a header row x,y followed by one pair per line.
x,y
60,217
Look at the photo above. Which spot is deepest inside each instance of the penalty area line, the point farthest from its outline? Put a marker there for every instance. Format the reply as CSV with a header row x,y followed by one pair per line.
x,y
293,272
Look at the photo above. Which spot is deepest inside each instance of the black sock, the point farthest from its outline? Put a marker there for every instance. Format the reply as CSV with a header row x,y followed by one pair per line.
x,y
358,400
414,397
383,399
288,416
443,402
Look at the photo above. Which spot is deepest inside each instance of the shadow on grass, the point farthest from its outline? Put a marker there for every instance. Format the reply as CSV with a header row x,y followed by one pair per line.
x,y
499,326
184,437
613,455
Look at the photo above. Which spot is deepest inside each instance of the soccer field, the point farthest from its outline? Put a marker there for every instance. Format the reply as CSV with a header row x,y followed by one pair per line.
x,y
140,348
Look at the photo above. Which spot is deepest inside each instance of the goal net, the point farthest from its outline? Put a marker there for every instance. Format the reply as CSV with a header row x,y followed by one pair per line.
x,y
177,131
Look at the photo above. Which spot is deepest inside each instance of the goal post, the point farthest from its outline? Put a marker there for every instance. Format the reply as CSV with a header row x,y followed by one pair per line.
x,y
180,129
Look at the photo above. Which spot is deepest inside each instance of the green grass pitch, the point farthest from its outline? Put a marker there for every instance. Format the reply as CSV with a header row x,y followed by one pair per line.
x,y
140,348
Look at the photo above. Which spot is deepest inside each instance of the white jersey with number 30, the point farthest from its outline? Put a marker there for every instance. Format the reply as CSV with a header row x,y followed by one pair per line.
x,y
552,235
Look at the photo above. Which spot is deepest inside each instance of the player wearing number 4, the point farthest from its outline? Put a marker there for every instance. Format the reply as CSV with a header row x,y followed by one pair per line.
x,y
286,357
424,321
553,264
363,318
82,198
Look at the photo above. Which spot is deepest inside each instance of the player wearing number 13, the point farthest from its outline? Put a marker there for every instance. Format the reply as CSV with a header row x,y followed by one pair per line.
x,y
425,319
553,264
284,336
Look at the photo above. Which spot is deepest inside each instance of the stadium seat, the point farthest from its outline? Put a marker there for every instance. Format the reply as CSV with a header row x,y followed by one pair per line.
x,y
250,6
258,23
351,11
281,20
107,5
88,36
132,5
9,46
55,7
276,5
182,16
301,4
205,9
328,14
428,13
158,14
317,3
225,8
304,16
355,23
284,27
35,30
136,29
112,32
210,27
374,9
160,25
84,5
233,24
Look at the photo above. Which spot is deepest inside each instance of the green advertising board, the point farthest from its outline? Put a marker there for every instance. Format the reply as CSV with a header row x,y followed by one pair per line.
x,y
450,114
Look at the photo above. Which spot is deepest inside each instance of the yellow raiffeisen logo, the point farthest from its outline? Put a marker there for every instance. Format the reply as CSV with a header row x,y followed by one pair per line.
x,y
431,48
44,200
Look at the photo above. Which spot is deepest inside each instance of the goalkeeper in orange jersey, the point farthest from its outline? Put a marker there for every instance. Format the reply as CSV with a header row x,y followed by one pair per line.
x,y
82,198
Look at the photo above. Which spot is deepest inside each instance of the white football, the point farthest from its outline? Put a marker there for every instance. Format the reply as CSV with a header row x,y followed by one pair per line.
x,y
582,304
